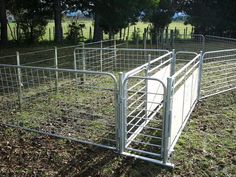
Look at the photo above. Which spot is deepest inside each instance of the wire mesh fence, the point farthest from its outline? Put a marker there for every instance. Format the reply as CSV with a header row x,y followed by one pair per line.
x,y
136,101
113,60
51,101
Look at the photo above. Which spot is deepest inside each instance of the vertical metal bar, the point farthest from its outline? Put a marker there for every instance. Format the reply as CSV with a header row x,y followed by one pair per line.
x,y
117,113
183,103
20,93
122,114
192,82
146,83
200,75
75,64
101,53
173,63
56,66
166,133
115,53
125,107
203,43
83,63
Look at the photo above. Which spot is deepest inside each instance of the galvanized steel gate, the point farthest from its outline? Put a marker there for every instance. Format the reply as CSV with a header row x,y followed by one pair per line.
x,y
143,110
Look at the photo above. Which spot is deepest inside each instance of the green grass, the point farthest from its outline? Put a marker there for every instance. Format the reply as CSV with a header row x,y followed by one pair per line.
x,y
89,23
206,148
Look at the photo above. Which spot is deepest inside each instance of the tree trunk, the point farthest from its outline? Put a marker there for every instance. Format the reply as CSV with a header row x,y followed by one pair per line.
x,y
111,34
98,32
3,20
57,21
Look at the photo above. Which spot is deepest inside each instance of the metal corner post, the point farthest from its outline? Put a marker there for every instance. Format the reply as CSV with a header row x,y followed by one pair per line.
x,y
56,66
19,75
146,83
167,121
200,75
101,53
84,63
115,53
75,64
203,43
121,115
173,63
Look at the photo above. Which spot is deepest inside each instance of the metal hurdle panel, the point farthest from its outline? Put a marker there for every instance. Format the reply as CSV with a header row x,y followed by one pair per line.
x,y
52,102
214,43
218,72
192,42
143,100
113,59
183,90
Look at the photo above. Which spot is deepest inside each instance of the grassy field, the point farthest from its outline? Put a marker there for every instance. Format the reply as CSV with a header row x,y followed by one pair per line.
x,y
89,23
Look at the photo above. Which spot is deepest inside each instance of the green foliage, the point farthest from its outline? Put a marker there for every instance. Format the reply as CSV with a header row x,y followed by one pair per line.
x,y
160,15
116,15
31,17
113,14
75,32
211,17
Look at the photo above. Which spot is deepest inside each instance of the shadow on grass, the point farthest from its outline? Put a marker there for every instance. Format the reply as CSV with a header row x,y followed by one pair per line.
x,y
100,162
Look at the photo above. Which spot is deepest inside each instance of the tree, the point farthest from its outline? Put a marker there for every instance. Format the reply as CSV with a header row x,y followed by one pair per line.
x,y
116,15
31,17
3,21
112,15
215,17
57,8
160,14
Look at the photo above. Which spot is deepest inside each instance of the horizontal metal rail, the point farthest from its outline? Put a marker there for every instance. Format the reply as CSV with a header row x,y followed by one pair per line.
x,y
142,67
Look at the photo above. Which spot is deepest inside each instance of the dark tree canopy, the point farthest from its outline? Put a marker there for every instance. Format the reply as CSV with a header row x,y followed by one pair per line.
x,y
160,13
117,14
3,22
31,17
215,17
111,15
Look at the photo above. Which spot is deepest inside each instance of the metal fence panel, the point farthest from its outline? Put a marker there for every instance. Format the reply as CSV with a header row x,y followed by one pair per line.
x,y
219,68
219,43
185,84
143,128
51,101
113,59
143,112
